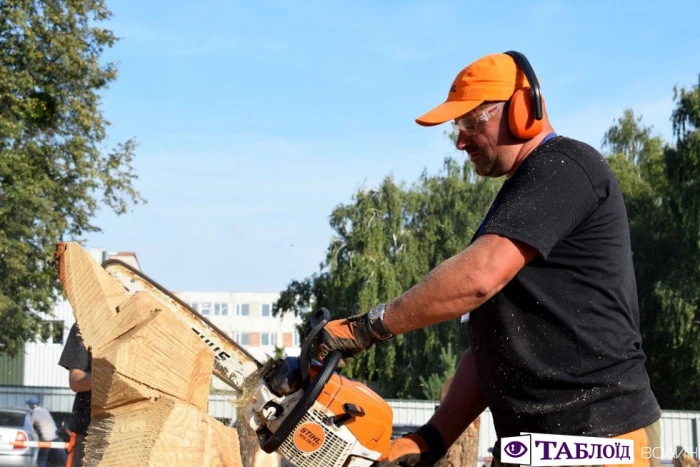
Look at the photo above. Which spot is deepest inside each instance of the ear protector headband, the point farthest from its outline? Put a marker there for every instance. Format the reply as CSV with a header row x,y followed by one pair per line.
x,y
525,109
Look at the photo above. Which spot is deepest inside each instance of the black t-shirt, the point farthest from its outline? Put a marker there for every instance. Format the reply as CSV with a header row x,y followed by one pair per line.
x,y
75,355
558,349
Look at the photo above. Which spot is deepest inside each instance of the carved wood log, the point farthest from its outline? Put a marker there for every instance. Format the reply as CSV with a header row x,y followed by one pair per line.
x,y
150,375
251,453
683,459
465,451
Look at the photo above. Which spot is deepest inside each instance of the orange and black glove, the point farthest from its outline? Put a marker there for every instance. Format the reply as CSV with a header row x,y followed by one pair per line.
x,y
351,336
420,449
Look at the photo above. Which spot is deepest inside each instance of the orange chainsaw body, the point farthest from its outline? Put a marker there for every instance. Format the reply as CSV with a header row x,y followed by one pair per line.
x,y
374,429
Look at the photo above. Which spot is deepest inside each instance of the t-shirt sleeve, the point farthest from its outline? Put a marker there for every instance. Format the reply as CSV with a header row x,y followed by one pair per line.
x,y
74,354
549,195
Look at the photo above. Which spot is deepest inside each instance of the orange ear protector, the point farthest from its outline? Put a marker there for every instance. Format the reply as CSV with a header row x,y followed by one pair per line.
x,y
525,105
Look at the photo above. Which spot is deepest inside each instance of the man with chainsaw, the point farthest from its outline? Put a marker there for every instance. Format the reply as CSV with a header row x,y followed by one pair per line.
x,y
547,285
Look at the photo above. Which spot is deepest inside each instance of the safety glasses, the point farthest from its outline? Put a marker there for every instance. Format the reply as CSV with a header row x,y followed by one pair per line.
x,y
470,125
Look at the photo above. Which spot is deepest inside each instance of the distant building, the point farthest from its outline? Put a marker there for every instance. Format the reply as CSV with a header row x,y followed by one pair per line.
x,y
245,317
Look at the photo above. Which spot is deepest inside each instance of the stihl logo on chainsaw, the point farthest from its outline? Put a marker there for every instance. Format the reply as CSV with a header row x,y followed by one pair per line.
x,y
309,437
220,355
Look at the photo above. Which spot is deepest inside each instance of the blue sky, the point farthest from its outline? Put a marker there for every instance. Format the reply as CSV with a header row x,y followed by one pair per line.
x,y
255,119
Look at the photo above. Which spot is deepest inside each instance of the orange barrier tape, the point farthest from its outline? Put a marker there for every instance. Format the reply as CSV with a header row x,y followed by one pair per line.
x,y
39,444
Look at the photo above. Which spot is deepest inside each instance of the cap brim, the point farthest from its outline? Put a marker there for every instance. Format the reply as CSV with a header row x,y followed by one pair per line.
x,y
446,111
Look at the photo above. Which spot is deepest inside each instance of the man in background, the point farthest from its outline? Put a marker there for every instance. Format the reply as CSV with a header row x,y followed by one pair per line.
x,y
78,361
45,427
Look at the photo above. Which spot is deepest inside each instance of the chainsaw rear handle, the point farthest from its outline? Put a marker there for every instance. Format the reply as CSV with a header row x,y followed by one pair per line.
x,y
270,442
309,334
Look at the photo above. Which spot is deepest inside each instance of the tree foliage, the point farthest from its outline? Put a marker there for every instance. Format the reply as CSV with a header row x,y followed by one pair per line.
x,y
661,185
432,386
385,241
54,169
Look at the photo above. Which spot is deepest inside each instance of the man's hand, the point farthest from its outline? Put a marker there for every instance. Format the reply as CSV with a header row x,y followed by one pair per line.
x,y
350,336
405,451
412,449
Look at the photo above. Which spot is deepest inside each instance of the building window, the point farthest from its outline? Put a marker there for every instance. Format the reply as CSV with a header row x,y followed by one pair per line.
x,y
267,339
242,338
243,309
266,309
193,305
220,309
297,339
52,332
205,309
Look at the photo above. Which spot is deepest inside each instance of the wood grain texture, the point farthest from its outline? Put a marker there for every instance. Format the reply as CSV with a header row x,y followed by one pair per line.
x,y
92,293
166,432
165,355
151,375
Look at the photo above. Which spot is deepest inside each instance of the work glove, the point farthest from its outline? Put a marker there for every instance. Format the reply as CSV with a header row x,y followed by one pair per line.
x,y
420,449
350,336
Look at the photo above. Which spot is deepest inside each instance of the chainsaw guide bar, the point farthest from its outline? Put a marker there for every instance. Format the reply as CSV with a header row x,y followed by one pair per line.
x,y
232,363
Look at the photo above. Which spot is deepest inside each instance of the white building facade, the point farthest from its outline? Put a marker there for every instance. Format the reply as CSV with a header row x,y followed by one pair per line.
x,y
247,319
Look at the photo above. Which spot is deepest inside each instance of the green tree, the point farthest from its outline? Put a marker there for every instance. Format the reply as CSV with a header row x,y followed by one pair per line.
x,y
54,170
661,184
385,241
432,386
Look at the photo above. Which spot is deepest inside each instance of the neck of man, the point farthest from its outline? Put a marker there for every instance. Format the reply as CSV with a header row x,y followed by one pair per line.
x,y
528,147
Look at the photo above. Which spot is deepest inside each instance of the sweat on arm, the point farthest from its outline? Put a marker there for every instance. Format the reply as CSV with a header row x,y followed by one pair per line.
x,y
460,284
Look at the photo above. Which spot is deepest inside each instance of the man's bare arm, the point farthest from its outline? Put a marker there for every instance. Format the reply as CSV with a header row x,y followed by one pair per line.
x,y
463,403
79,380
459,285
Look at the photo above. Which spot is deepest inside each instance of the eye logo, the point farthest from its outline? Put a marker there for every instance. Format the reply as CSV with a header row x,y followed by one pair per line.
x,y
515,449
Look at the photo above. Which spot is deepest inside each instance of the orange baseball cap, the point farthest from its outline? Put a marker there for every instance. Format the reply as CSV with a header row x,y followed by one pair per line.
x,y
493,77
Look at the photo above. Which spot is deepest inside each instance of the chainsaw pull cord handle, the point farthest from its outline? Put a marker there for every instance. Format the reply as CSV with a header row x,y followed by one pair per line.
x,y
270,442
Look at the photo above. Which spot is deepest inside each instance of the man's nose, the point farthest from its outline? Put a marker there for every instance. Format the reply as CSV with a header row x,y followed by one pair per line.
x,y
462,140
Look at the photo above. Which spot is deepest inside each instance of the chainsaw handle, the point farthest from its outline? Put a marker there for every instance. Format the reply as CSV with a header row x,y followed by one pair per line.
x,y
311,330
320,318
270,442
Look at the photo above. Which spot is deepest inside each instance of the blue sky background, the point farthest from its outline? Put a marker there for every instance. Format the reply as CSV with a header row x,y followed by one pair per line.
x,y
255,119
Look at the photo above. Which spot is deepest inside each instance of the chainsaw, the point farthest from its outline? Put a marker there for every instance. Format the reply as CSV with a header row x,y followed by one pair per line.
x,y
300,408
